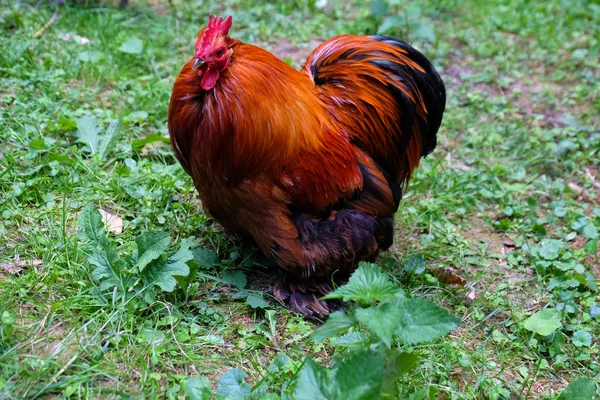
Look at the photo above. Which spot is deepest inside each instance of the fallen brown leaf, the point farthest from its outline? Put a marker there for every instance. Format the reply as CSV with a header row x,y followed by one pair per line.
x,y
509,243
153,148
15,267
112,223
449,276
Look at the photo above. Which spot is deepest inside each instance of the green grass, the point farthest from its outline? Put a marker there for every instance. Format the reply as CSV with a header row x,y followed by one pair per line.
x,y
510,198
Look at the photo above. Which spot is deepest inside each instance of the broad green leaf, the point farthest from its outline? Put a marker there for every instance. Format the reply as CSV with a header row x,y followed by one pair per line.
x,y
380,320
61,158
396,365
89,56
408,320
161,272
594,310
582,339
424,321
565,266
391,24
270,317
581,389
590,232
591,247
181,256
558,344
96,140
550,248
90,220
132,45
312,382
198,388
413,11
151,245
367,285
140,143
212,339
137,116
419,394
151,336
205,258
350,339
107,140
424,31
379,7
360,376
7,319
401,363
110,268
232,385
580,223
543,322
269,396
256,301
87,133
590,281
336,323
415,264
280,363
236,278
425,240
37,144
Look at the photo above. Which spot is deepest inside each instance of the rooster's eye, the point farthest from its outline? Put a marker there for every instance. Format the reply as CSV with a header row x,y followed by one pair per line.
x,y
220,52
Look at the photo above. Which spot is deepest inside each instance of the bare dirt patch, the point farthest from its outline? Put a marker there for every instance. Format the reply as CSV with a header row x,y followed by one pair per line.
x,y
518,296
529,95
498,245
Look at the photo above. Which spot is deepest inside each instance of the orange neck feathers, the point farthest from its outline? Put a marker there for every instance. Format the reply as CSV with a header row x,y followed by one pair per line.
x,y
259,115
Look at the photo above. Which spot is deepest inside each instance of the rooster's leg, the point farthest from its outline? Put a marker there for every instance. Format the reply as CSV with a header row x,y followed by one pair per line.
x,y
303,296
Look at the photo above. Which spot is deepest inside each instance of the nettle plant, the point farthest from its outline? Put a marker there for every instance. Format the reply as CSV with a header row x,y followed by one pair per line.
x,y
372,342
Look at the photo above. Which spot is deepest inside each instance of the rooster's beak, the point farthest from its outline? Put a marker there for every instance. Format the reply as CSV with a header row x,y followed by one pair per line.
x,y
198,63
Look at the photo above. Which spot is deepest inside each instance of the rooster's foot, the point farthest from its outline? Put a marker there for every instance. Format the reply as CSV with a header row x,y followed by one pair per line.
x,y
304,296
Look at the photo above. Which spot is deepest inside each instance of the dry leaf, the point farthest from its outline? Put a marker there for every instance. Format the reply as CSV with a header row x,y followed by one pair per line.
x,y
16,266
575,187
153,148
457,164
81,39
449,276
471,295
112,223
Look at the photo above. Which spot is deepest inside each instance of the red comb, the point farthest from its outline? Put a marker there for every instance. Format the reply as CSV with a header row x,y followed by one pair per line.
x,y
215,27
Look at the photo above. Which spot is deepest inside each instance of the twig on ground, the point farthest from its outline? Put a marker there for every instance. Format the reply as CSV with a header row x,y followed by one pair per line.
x,y
41,31
589,174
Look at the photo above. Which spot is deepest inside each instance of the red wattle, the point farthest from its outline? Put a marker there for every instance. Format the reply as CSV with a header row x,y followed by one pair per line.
x,y
209,80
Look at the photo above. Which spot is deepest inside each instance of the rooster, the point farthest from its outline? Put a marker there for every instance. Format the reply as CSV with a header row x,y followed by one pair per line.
x,y
309,164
